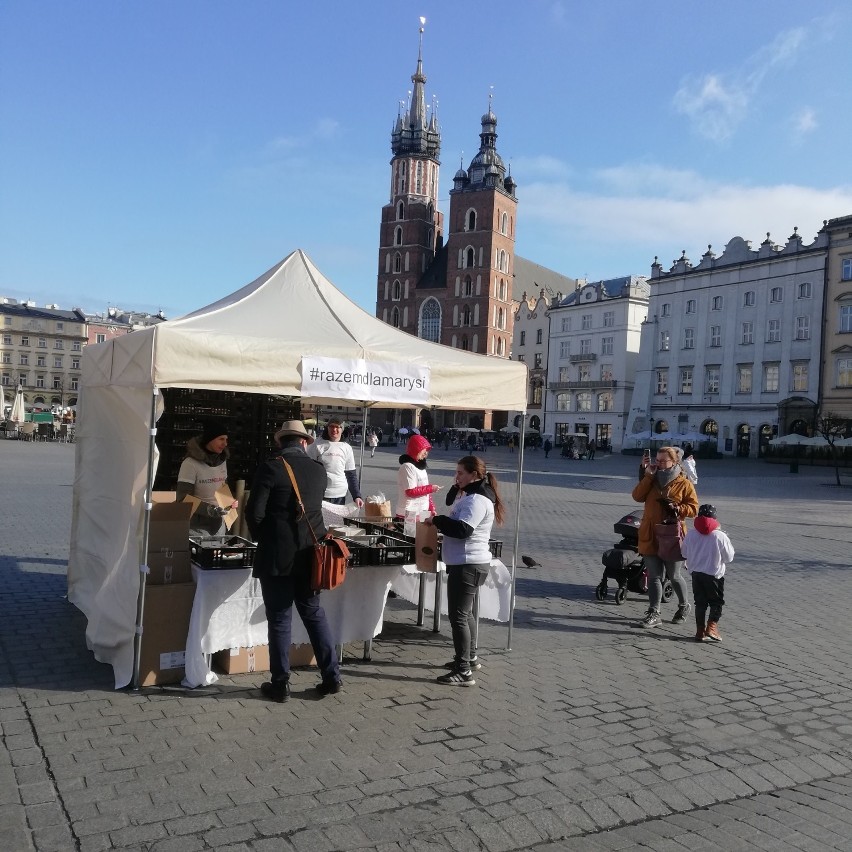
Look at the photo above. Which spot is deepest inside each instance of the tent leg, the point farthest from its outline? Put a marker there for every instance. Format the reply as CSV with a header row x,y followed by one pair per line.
x,y
146,526
517,528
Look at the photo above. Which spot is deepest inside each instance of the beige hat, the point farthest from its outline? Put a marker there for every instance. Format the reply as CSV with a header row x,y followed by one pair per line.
x,y
293,429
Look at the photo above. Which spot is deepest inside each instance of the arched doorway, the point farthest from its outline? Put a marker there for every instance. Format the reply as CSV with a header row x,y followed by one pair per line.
x,y
765,436
711,428
798,427
743,440
535,422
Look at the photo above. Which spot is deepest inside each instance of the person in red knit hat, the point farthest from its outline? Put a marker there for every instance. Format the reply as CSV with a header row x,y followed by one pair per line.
x,y
414,493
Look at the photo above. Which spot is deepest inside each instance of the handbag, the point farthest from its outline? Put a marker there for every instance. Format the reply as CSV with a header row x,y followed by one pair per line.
x,y
669,536
330,555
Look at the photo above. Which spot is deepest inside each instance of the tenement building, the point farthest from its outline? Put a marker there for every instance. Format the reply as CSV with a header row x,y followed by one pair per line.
x,y
41,348
836,385
730,350
595,334
531,332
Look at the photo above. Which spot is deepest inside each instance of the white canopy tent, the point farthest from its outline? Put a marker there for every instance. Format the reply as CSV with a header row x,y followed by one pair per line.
x,y
273,336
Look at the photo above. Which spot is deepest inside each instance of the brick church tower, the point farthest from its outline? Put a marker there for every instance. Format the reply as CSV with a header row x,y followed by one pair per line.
x,y
411,229
458,293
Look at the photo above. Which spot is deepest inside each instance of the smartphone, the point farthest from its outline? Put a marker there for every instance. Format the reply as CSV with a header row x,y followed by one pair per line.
x,y
646,457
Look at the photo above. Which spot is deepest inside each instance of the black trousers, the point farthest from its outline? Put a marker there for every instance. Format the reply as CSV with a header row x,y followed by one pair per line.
x,y
462,582
708,592
280,594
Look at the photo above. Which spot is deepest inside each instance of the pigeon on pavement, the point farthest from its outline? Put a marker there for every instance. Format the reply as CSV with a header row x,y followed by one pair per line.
x,y
530,562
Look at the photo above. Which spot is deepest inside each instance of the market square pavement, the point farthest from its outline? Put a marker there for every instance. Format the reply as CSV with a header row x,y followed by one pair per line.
x,y
588,734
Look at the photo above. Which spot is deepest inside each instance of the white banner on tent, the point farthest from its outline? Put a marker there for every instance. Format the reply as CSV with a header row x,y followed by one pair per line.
x,y
368,381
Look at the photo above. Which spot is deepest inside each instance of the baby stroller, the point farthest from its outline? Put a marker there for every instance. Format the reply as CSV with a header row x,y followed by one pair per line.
x,y
624,564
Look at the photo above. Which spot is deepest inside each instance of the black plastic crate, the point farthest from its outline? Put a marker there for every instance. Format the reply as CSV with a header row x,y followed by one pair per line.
x,y
228,551
379,550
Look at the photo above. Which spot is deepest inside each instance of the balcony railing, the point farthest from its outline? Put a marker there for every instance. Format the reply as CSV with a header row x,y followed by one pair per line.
x,y
585,384
584,356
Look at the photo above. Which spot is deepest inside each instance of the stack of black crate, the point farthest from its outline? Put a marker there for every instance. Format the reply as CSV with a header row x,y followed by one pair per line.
x,y
252,420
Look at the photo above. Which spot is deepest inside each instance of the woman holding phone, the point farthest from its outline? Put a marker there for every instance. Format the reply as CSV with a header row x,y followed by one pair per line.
x,y
666,493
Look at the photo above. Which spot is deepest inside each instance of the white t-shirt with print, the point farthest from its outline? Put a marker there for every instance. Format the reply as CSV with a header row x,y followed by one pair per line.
x,y
205,480
336,457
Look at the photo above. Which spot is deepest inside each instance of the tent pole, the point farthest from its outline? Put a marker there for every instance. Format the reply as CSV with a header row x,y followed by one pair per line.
x,y
146,526
363,441
521,441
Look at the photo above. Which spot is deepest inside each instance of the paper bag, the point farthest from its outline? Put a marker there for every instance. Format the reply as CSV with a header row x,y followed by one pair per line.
x,y
377,510
224,498
426,547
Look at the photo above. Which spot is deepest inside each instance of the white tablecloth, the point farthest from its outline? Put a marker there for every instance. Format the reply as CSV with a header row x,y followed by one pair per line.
x,y
228,612
495,595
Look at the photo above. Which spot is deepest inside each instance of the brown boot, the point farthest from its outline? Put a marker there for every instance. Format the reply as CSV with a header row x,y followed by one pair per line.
x,y
699,629
712,632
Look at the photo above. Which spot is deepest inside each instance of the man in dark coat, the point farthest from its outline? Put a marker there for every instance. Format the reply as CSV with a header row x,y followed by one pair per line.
x,y
284,557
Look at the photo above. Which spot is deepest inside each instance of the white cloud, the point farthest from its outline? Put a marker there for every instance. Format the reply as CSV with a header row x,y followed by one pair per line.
x,y
717,103
659,211
543,166
805,122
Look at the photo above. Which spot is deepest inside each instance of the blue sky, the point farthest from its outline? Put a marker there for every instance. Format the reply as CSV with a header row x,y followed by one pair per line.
x,y
161,155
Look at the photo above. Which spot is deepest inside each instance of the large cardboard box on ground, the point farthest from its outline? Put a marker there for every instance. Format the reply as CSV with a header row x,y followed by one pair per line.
x,y
165,626
169,528
245,660
169,566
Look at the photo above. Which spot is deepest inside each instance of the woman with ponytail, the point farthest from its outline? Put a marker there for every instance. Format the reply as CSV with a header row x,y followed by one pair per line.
x,y
466,530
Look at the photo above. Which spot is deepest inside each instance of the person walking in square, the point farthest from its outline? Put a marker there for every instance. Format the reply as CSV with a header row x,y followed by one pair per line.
x,y
284,557
707,550
591,449
667,494
373,441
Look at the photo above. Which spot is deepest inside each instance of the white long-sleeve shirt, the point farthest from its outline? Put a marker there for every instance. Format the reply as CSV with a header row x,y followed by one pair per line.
x,y
707,553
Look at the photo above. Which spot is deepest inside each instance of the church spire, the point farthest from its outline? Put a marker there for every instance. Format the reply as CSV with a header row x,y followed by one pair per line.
x,y
412,133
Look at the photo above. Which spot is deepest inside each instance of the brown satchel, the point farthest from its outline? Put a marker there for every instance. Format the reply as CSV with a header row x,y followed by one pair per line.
x,y
328,567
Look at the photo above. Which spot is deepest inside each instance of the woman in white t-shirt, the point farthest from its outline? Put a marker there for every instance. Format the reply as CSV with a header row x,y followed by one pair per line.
x,y
466,530
202,472
688,465
337,458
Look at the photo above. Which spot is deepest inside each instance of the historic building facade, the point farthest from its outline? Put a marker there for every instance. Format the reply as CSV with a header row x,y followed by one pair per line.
x,y
836,384
41,349
454,289
731,347
595,335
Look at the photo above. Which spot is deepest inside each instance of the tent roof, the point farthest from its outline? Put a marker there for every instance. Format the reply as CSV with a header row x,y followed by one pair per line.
x,y
255,339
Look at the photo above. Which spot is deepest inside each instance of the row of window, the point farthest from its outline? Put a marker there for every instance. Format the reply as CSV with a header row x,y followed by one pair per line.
x,y
586,321
584,400
23,379
539,337
776,294
41,360
607,346
41,342
770,383
583,372
773,332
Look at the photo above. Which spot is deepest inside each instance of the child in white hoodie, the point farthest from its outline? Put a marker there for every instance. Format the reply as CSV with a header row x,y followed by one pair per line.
x,y
707,549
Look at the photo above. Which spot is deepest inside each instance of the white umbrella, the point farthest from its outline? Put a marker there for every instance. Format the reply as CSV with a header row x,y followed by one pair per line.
x,y
790,440
694,437
815,441
18,413
640,436
663,436
843,442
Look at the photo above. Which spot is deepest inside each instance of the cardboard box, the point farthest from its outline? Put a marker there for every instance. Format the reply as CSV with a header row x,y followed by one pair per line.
x,y
165,626
169,566
245,660
169,529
